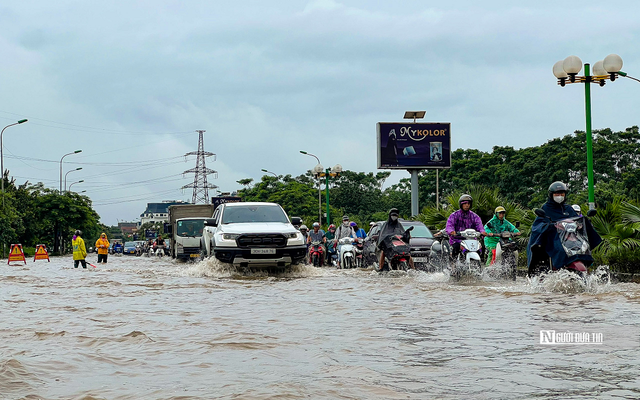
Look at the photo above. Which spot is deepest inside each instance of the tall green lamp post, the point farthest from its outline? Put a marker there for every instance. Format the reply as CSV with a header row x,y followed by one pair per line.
x,y
330,173
319,171
567,72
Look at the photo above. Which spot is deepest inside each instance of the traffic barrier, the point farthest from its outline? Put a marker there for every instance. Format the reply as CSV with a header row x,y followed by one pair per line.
x,y
41,253
16,254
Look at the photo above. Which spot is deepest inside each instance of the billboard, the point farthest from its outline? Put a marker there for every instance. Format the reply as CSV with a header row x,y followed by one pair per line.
x,y
216,201
414,145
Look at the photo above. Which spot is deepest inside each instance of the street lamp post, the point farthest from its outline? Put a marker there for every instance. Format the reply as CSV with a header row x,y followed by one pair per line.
x,y
22,121
607,69
317,170
68,154
80,181
65,177
269,172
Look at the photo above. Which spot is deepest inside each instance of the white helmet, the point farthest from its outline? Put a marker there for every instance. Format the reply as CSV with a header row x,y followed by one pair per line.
x,y
304,227
316,224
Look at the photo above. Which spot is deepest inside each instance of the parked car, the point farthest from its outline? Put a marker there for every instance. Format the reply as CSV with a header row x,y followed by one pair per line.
x,y
132,248
420,243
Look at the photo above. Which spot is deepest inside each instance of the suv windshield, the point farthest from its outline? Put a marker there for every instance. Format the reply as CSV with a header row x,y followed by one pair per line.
x,y
254,213
191,228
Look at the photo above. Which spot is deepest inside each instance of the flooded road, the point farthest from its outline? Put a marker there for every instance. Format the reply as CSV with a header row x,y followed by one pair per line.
x,y
140,328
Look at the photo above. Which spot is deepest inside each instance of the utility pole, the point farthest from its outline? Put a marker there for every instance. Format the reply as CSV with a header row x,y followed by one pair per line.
x,y
200,185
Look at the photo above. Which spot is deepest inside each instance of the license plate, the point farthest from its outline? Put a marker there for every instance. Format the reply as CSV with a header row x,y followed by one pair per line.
x,y
420,259
194,255
263,251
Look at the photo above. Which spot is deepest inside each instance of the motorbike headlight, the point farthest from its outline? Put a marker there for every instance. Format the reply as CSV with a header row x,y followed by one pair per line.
x,y
230,236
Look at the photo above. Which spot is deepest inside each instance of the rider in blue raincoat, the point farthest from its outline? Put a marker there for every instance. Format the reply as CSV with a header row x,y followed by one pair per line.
x,y
544,242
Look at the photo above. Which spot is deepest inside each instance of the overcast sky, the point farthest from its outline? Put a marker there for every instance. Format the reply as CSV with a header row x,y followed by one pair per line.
x,y
129,82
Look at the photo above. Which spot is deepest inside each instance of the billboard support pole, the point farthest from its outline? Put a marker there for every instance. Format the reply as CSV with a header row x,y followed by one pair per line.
x,y
414,191
437,189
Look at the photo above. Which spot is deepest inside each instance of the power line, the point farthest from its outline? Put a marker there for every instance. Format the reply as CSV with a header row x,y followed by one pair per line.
x,y
93,129
107,202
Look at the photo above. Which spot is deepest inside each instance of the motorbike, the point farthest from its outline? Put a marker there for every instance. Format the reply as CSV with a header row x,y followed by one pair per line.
x,y
440,253
156,250
332,254
507,253
397,251
471,266
563,244
316,254
359,248
347,253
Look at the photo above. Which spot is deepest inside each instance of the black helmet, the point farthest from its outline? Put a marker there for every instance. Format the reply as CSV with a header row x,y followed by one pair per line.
x,y
557,186
78,232
465,197
393,211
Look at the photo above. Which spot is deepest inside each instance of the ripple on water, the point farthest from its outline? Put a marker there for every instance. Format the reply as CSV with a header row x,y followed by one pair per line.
x,y
14,377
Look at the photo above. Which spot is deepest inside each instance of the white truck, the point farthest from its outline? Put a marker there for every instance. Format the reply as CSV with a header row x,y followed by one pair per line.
x,y
253,234
186,222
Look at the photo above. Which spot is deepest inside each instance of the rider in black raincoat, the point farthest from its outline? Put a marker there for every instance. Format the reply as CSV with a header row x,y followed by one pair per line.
x,y
390,228
544,241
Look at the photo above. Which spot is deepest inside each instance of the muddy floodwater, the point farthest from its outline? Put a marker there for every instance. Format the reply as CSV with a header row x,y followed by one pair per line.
x,y
145,328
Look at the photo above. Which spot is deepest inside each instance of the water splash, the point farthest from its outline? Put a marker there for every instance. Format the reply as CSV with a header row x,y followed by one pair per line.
x,y
214,268
564,281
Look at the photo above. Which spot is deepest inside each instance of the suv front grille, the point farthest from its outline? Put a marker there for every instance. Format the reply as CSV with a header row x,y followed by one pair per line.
x,y
261,240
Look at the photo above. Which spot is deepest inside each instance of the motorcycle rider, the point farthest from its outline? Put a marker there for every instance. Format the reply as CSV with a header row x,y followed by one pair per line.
x,y
343,231
304,230
460,220
543,242
556,207
577,209
360,233
329,236
158,244
391,227
317,235
497,225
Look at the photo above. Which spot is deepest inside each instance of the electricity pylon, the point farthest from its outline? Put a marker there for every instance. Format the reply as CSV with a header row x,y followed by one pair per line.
x,y
200,185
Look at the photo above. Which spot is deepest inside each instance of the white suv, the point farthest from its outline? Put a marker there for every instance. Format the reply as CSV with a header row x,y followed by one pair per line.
x,y
253,235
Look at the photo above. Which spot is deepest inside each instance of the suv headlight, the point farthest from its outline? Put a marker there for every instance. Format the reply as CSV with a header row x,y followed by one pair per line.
x,y
291,235
230,236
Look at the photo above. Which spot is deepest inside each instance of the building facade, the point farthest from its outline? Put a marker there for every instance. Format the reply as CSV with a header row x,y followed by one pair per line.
x,y
158,212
